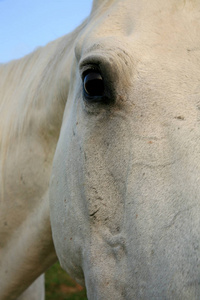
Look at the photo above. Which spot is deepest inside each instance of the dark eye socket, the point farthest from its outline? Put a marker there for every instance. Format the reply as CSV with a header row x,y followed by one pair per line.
x,y
93,84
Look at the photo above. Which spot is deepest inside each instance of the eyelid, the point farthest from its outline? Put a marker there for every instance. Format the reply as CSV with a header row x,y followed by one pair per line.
x,y
87,69
90,62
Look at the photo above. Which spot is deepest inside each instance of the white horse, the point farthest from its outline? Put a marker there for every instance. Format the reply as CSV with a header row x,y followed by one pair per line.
x,y
120,99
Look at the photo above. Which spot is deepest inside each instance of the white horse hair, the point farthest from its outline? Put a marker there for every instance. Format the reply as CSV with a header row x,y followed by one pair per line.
x,y
104,124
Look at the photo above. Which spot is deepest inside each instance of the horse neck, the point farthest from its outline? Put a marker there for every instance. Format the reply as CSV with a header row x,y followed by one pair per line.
x,y
34,91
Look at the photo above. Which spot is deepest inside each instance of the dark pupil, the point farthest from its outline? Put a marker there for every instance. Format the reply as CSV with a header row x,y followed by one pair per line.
x,y
93,84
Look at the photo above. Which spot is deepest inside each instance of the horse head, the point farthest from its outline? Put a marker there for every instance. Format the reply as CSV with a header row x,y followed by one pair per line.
x,y
125,185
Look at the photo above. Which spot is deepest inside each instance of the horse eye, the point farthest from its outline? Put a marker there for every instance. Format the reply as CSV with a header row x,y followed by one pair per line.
x,y
93,84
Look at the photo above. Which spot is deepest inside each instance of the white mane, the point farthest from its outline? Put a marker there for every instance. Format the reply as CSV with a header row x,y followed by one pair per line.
x,y
30,84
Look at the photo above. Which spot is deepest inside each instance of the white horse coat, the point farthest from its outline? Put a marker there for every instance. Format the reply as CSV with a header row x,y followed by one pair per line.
x,y
115,107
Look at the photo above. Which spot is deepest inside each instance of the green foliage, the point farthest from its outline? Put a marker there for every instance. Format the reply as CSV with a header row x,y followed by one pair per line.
x,y
60,286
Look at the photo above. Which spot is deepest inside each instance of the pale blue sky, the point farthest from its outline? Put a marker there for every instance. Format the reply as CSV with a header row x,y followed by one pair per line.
x,y
27,24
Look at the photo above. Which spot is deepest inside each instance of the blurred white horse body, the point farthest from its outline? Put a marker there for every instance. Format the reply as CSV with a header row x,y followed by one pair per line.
x,y
32,102
114,107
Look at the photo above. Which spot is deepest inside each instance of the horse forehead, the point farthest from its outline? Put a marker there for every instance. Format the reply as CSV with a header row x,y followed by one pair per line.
x,y
131,24
97,4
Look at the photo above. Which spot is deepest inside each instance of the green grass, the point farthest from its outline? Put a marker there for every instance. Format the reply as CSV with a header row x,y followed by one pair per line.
x,y
60,286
